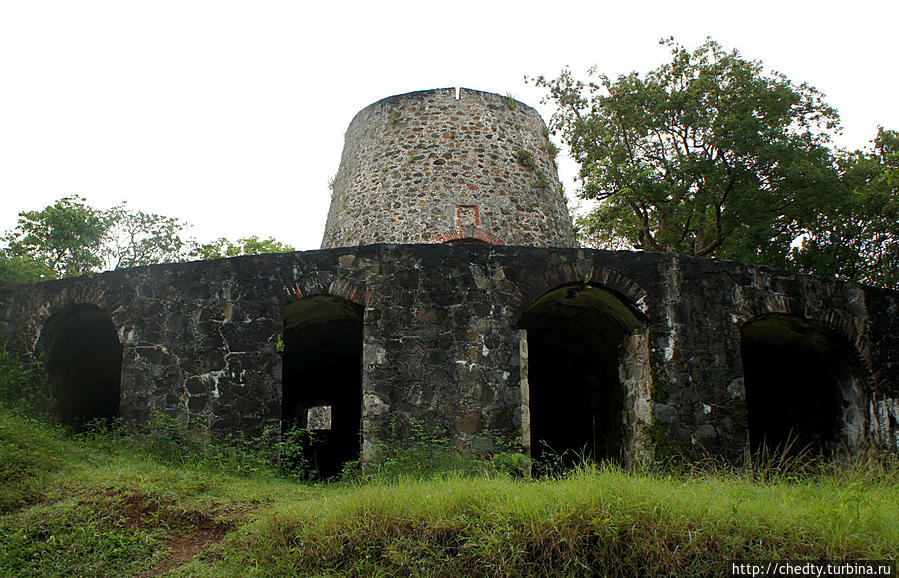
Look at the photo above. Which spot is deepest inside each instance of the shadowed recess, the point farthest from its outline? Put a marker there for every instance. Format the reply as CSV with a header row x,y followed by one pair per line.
x,y
323,367
576,337
83,357
797,375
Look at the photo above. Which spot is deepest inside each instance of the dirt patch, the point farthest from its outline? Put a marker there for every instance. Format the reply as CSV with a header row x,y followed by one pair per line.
x,y
191,531
183,547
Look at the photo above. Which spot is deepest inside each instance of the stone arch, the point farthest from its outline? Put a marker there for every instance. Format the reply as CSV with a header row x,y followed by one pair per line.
x,y
466,234
582,272
844,326
325,283
83,360
585,375
322,368
804,384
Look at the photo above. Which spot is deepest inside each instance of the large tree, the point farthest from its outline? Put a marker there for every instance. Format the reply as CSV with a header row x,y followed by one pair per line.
x,y
706,155
71,238
135,238
64,237
858,237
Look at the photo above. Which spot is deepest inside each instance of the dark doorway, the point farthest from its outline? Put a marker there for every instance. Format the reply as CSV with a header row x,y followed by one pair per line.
x,y
577,339
796,373
323,369
83,357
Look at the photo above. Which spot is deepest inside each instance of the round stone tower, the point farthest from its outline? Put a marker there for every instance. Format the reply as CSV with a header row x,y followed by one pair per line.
x,y
444,165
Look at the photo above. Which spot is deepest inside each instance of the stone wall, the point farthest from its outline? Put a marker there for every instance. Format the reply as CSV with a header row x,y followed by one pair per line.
x,y
427,167
442,341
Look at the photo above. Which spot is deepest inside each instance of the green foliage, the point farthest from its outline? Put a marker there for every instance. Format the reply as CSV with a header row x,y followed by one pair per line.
x,y
71,238
134,238
597,520
96,506
18,269
858,237
552,150
705,155
222,247
525,159
192,445
417,451
65,237
20,388
29,452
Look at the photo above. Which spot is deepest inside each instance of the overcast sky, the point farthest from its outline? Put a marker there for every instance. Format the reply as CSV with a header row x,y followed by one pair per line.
x,y
230,115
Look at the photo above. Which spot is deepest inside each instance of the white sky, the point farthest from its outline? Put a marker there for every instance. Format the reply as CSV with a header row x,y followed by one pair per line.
x,y
230,115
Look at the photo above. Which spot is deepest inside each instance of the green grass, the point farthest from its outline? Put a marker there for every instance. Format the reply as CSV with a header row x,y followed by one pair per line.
x,y
105,505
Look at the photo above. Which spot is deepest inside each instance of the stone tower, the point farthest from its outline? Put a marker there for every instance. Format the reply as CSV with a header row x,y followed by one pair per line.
x,y
443,165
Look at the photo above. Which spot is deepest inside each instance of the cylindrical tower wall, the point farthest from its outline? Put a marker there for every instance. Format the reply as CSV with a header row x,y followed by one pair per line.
x,y
426,167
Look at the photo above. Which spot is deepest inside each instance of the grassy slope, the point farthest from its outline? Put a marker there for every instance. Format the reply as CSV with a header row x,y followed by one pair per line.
x,y
72,508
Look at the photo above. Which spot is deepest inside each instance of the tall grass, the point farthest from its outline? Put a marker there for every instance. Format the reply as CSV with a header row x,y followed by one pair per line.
x,y
114,499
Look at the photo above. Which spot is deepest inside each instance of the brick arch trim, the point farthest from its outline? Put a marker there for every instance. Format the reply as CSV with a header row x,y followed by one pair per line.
x,y
327,284
590,274
838,322
466,232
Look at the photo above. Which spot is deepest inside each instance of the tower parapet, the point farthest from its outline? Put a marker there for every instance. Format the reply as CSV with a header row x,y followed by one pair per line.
x,y
443,165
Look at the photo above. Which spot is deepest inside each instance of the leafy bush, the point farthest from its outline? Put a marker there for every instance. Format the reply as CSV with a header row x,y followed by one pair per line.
x,y
413,450
20,390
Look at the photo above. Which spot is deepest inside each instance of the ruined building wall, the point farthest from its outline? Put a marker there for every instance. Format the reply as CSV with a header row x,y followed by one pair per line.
x,y
442,341
426,167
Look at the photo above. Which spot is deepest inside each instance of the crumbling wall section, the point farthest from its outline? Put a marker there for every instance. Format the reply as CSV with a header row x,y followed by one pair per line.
x,y
441,339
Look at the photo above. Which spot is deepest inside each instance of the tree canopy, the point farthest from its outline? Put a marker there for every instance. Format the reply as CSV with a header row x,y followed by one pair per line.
x,y
858,237
64,239
222,247
706,155
134,238
71,238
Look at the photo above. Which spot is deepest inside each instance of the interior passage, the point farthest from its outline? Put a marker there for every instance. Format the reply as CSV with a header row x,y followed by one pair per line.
x,y
322,368
575,341
83,358
796,373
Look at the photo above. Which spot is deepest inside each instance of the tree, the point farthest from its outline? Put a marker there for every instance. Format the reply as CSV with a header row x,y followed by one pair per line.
x,y
71,238
134,238
222,247
858,238
706,155
65,237
18,269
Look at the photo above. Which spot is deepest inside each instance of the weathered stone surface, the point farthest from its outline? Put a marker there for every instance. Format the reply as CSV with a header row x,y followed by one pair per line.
x,y
441,340
426,167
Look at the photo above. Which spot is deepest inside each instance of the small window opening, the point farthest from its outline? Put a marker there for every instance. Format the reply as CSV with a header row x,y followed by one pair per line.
x,y
468,215
319,417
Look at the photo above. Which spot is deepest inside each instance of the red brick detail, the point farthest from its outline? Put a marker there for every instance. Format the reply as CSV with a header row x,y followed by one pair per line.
x,y
466,232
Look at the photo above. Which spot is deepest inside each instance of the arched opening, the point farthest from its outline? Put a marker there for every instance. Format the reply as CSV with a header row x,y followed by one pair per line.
x,y
322,369
800,381
83,358
585,376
